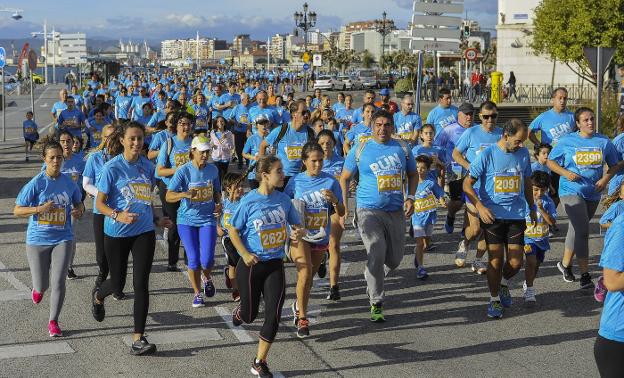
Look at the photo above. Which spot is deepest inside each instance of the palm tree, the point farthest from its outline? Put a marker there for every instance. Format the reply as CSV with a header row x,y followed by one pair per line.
x,y
367,59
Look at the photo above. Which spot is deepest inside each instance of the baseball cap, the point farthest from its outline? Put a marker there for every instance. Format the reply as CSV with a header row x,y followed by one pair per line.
x,y
261,118
466,108
201,143
385,92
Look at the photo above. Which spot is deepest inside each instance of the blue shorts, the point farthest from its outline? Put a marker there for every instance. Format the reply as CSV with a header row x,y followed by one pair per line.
x,y
531,249
199,245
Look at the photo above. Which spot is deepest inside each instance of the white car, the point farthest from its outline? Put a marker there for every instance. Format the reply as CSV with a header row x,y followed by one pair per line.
x,y
9,78
324,82
345,82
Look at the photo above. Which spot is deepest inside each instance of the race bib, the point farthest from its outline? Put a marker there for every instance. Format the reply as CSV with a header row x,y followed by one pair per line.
x,y
181,158
507,183
537,231
389,183
29,130
589,157
141,192
315,219
200,122
56,217
426,204
97,135
243,119
364,138
203,194
272,236
293,152
226,220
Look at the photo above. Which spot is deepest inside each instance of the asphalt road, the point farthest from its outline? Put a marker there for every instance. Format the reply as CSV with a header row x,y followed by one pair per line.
x,y
433,328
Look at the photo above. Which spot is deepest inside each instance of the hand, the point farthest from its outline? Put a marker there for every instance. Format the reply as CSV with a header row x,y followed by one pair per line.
x,y
45,208
250,259
442,202
572,176
329,196
600,185
164,222
539,203
485,214
218,208
191,193
533,216
408,207
77,212
297,233
127,217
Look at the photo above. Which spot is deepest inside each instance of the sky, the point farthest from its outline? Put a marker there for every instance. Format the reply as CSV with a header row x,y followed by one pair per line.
x,y
155,20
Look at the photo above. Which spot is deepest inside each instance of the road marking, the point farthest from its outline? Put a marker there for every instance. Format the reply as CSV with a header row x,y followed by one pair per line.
x,y
9,276
179,336
32,350
14,295
241,334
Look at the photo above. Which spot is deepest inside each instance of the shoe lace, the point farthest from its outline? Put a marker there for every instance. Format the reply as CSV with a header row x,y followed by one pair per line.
x,y
497,305
302,322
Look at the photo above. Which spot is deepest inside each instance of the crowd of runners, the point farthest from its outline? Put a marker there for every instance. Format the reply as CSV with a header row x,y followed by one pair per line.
x,y
246,169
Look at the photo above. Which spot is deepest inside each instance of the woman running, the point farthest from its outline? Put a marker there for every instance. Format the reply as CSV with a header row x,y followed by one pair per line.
x,y
125,198
222,143
332,165
316,195
258,231
50,200
197,187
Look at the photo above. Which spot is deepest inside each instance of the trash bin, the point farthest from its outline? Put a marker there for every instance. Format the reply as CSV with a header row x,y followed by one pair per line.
x,y
497,87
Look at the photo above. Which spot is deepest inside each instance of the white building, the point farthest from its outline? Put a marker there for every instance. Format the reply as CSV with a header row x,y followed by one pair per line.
x,y
372,41
67,49
514,28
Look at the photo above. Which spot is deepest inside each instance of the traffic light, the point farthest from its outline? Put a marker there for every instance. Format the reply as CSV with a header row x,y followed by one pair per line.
x,y
466,31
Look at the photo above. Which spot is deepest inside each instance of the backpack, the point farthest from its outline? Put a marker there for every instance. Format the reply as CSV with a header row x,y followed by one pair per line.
x,y
282,132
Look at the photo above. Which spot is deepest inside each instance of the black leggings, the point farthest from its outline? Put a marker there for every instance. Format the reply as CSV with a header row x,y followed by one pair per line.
x,y
98,234
609,357
222,166
173,239
117,251
265,279
239,142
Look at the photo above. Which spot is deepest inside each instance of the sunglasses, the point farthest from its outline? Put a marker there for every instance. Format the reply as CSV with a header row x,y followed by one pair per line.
x,y
488,116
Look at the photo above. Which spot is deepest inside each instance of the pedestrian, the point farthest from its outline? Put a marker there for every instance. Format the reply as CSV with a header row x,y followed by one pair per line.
x,y
511,83
31,134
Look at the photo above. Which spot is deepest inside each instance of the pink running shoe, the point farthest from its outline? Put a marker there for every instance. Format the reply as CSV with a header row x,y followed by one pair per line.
x,y
36,296
54,329
600,292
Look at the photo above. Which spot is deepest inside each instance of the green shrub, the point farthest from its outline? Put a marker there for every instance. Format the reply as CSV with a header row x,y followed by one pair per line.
x,y
403,85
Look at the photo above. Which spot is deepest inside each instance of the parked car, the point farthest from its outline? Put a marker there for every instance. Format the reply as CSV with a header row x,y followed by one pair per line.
x,y
324,82
9,78
386,81
345,82
37,79
368,78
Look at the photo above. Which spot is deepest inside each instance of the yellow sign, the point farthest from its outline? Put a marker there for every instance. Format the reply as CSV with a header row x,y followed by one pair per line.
x,y
306,57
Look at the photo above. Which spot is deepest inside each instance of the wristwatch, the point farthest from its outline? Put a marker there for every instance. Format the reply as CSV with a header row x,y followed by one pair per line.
x,y
410,197
114,215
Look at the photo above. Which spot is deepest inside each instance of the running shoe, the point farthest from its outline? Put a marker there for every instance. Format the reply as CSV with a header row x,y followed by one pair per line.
x,y
479,267
334,293
322,271
586,282
260,368
119,296
198,301
235,295
421,273
600,292
449,225
377,313
54,329
460,255
228,281
209,289
303,328
295,312
431,247
97,309
505,296
529,294
71,275
495,310
236,318
566,272
36,296
142,346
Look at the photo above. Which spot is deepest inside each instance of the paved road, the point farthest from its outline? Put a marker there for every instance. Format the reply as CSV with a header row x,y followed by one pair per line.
x,y
433,328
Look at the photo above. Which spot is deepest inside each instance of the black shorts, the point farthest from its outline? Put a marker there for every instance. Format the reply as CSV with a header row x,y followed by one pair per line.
x,y
456,190
504,231
230,251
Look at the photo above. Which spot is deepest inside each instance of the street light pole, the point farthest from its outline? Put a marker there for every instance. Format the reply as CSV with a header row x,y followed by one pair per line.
x,y
383,27
305,21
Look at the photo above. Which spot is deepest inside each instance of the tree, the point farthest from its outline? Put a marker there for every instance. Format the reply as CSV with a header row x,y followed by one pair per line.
x,y
562,29
367,59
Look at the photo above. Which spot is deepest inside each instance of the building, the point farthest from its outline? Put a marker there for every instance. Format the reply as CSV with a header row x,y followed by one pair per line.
x,y
241,43
514,53
278,46
371,40
344,38
67,49
184,49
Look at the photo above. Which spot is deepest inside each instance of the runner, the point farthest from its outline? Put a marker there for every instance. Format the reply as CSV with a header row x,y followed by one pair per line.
x,y
31,134
70,119
196,185
258,231
382,164
407,124
239,116
579,159
502,173
125,198
50,200
252,147
444,113
222,145
360,132
315,195
358,114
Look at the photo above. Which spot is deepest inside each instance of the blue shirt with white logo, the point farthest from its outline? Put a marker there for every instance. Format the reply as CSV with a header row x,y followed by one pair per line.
x,y
198,211
611,322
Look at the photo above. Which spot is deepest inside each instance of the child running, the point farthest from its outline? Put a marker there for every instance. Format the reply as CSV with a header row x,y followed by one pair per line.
x,y
31,135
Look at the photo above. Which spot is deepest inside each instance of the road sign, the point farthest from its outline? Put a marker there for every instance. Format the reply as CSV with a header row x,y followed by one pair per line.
x,y
471,54
437,20
317,60
306,67
591,54
439,8
2,57
306,57
428,45
447,33
32,60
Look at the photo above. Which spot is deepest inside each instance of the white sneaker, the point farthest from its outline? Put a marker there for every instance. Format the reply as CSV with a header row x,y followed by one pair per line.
x,y
529,294
479,267
460,255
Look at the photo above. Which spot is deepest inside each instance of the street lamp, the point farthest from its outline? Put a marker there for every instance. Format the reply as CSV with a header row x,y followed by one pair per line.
x,y
384,27
46,35
305,21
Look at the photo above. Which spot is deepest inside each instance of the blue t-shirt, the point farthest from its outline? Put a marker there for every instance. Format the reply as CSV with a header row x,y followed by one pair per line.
x,y
93,169
256,113
538,234
55,226
426,199
616,181
536,166
476,139
289,147
71,120
262,223
382,168
29,127
406,124
252,146
128,186
441,117
308,189
614,211
334,166
553,125
122,106
178,156
137,106
58,107
345,116
240,114
95,132
358,134
229,207
197,212
433,151
201,116
159,139
611,322
585,157
447,140
501,176
338,106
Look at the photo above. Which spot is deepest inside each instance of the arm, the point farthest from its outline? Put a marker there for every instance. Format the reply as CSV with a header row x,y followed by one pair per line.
x,y
547,217
152,154
173,196
484,213
164,172
553,166
345,177
533,137
460,159
528,196
248,257
262,148
88,186
26,211
412,184
613,280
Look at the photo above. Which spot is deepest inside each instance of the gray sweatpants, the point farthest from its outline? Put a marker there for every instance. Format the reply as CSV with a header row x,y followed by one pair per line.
x,y
50,261
383,236
580,213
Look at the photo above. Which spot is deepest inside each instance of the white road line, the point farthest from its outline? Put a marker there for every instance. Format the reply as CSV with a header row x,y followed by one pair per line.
x,y
179,336
242,335
32,350
10,277
14,295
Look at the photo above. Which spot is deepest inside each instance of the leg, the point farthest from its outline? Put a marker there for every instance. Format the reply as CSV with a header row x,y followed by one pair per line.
x,y
39,258
207,242
300,254
100,257
420,250
514,261
61,257
530,268
143,247
608,355
334,249
582,250
576,210
250,283
374,240
189,235
495,268
273,290
173,238
117,251
394,224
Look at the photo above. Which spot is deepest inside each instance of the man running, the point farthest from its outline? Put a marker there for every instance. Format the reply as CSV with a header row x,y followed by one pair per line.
x,y
444,113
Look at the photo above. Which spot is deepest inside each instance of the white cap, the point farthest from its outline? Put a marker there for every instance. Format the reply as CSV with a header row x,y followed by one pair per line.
x,y
201,143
